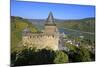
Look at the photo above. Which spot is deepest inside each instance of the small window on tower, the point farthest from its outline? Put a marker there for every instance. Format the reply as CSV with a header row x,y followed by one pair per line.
x,y
30,36
53,36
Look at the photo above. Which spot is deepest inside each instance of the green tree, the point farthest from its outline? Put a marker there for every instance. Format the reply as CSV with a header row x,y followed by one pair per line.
x,y
34,57
60,57
13,57
82,55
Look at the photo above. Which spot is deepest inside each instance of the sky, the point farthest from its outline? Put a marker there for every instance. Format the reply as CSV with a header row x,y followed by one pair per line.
x,y
37,10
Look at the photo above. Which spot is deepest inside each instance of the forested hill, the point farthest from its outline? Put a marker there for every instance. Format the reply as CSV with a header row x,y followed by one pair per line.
x,y
86,24
17,25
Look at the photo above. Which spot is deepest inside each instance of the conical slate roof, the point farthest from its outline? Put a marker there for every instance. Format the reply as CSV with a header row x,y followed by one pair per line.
x,y
50,20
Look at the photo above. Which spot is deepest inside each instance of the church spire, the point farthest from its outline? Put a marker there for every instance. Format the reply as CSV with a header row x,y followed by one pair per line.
x,y
50,20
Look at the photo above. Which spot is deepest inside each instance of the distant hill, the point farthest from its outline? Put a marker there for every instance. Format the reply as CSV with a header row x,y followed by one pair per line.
x,y
85,24
82,27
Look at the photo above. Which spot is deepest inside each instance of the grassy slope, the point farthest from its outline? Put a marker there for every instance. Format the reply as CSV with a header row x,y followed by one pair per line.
x,y
17,25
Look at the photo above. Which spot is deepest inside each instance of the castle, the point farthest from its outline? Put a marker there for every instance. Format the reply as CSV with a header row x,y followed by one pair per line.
x,y
49,38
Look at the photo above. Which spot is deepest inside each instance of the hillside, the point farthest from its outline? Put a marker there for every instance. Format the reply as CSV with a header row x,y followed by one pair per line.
x,y
17,25
82,27
87,24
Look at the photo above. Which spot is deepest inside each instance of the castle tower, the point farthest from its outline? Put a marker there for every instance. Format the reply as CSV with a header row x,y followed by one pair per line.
x,y
47,39
50,26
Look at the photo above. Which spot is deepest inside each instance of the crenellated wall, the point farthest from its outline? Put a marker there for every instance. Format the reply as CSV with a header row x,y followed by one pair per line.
x,y
41,40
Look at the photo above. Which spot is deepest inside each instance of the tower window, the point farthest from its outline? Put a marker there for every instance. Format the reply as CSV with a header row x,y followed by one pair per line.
x,y
30,36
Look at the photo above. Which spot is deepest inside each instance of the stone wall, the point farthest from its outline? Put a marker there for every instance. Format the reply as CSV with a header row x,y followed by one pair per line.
x,y
41,41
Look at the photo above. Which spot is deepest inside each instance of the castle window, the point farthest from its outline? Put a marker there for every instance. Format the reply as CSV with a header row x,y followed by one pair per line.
x,y
30,36
53,36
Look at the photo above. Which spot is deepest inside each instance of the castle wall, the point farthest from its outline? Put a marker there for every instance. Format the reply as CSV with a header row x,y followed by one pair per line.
x,y
41,41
